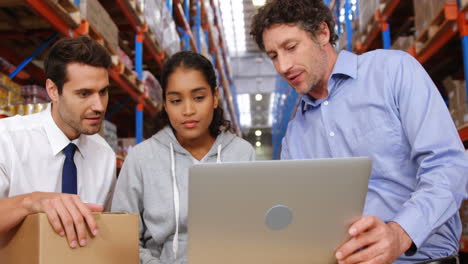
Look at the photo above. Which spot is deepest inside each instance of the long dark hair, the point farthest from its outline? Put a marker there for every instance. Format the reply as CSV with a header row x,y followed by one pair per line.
x,y
194,61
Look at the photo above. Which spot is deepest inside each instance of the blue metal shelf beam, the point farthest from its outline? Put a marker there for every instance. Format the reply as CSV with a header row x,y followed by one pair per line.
x,y
33,55
198,29
387,42
349,29
139,70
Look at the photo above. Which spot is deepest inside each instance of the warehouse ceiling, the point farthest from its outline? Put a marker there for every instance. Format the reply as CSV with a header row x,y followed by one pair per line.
x,y
252,71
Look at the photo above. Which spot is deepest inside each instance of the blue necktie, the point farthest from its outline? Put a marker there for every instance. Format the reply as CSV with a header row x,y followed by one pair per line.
x,y
69,182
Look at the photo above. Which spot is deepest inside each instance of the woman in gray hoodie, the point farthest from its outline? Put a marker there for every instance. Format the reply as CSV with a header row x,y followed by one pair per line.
x,y
153,181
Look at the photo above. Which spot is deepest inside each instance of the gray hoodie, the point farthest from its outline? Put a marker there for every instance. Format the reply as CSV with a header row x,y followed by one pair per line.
x,y
153,182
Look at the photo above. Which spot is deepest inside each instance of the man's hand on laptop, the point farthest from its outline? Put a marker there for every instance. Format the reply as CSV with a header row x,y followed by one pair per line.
x,y
67,214
373,241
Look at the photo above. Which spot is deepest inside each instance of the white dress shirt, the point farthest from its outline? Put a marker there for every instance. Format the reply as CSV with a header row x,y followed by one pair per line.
x,y
31,159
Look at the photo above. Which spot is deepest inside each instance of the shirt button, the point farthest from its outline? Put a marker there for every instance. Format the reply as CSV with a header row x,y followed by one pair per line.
x,y
332,134
325,103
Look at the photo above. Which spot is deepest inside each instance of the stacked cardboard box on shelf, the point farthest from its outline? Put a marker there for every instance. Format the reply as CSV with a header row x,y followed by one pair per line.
x,y
100,21
424,12
367,10
403,43
456,92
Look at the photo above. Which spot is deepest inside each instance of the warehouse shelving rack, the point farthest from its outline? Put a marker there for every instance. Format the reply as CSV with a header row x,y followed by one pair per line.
x,y
63,17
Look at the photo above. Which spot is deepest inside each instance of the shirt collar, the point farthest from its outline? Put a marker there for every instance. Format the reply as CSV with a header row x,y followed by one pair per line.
x,y
57,139
308,102
345,65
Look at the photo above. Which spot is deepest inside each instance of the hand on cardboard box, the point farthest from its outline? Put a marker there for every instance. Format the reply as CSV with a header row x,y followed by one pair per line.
x,y
67,214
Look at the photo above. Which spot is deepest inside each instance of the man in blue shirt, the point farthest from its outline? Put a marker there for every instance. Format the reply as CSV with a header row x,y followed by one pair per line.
x,y
381,104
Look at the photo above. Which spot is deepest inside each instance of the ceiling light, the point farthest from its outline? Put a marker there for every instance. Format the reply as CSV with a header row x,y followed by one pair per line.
x,y
243,101
258,2
258,97
258,132
258,144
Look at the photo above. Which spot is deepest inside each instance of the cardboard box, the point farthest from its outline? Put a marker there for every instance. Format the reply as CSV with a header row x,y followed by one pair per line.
x,y
456,93
35,242
100,20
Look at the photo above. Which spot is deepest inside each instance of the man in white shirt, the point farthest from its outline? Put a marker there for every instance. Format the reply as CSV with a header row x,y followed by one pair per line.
x,y
53,161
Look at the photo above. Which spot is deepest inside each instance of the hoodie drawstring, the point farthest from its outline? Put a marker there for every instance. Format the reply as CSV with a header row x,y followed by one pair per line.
x,y
218,159
175,244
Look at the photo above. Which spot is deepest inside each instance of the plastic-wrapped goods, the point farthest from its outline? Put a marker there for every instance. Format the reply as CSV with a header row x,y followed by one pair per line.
x,y
34,94
152,14
109,133
215,35
171,40
140,5
153,88
367,10
204,50
125,58
209,13
162,24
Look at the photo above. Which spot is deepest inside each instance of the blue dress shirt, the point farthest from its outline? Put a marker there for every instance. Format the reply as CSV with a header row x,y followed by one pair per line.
x,y
384,105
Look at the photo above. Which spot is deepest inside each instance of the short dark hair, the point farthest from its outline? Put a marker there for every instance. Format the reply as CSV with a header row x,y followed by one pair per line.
x,y
195,61
307,14
81,49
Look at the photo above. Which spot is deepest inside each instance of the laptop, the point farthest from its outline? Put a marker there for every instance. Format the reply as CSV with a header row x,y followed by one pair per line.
x,y
290,211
